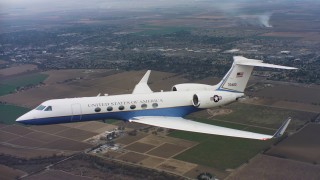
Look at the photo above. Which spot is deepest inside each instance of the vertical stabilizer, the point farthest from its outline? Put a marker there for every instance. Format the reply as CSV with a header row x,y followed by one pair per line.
x,y
142,87
238,76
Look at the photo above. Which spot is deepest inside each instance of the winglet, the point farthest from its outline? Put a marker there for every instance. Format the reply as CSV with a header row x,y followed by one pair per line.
x,y
282,129
142,87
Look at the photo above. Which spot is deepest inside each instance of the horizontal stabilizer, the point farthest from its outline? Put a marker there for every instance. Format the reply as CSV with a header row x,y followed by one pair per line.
x,y
253,62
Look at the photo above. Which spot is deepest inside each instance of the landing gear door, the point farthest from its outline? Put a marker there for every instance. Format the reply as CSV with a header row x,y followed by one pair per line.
x,y
76,112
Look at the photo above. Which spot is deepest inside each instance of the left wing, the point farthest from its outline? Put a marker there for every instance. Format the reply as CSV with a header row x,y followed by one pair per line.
x,y
188,125
142,87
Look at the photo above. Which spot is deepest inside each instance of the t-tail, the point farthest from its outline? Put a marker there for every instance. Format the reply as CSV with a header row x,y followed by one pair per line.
x,y
238,76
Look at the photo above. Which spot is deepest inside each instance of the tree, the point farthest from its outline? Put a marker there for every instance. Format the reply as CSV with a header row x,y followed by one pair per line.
x,y
205,176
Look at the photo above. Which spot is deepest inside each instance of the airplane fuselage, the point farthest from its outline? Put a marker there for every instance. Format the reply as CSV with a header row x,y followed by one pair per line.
x,y
124,107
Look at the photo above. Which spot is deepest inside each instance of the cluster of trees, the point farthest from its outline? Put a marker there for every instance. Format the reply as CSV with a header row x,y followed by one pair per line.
x,y
111,169
29,165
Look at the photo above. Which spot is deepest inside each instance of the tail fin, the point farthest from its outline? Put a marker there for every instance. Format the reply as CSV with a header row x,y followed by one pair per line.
x,y
238,76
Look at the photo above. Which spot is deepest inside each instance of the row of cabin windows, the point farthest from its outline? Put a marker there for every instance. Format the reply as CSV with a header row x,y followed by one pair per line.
x,y
143,106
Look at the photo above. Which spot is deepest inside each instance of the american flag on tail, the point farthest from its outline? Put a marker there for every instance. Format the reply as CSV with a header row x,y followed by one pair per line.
x,y
239,74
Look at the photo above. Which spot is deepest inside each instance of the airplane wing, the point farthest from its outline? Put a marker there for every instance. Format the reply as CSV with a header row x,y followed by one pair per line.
x,y
188,125
142,87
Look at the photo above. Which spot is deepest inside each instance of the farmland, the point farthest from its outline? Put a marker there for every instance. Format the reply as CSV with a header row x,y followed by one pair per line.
x,y
29,79
17,69
166,150
221,152
77,83
264,116
105,49
177,153
296,147
10,113
269,167
26,141
9,173
300,94
157,151
226,152
9,85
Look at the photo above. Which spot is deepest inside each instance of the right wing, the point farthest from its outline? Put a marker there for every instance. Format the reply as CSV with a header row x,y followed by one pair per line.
x,y
188,125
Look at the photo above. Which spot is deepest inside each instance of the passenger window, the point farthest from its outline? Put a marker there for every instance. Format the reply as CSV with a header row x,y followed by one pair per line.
x,y
97,109
121,108
40,108
144,106
109,108
133,106
155,105
49,108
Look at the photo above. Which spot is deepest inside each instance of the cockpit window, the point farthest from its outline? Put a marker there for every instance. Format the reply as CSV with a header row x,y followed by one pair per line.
x,y
41,107
49,108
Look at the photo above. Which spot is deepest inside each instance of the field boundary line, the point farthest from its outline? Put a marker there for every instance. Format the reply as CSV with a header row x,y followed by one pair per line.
x,y
61,136
155,148
243,124
34,148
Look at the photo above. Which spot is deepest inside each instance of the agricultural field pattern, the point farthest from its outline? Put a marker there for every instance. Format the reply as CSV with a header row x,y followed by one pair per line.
x,y
106,50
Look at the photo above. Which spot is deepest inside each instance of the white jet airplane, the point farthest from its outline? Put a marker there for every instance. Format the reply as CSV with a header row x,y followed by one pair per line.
x,y
163,109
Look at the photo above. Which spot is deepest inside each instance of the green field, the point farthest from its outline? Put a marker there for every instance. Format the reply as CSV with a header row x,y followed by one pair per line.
x,y
8,86
227,152
6,89
10,113
221,152
112,121
263,116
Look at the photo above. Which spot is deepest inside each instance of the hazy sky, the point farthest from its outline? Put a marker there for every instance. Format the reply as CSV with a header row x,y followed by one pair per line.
x,y
53,5
27,6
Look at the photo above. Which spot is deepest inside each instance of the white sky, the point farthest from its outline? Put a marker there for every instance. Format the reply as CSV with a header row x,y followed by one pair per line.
x,y
27,6
53,5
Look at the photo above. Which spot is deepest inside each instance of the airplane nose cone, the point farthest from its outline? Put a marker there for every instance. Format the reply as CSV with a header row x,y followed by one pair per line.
x,y
23,118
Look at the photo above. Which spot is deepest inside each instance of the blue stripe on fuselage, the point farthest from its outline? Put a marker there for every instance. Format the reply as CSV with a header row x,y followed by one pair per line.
x,y
122,115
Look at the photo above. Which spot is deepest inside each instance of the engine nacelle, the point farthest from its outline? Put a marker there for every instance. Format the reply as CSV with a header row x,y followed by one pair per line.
x,y
192,87
209,99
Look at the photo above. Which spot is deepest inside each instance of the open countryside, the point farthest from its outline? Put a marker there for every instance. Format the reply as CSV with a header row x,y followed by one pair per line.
x,y
58,49
147,144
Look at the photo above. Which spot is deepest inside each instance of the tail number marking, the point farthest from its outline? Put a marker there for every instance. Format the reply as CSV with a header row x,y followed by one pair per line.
x,y
232,84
